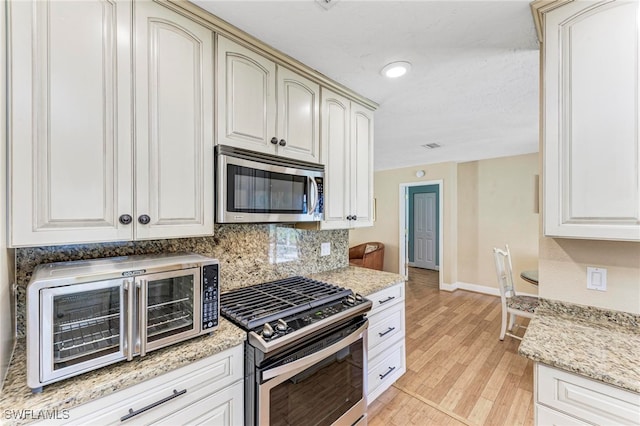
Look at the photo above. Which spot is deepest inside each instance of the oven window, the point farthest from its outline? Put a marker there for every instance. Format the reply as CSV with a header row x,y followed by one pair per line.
x,y
258,191
321,394
169,306
86,325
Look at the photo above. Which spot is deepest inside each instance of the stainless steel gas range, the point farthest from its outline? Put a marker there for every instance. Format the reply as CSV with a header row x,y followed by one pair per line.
x,y
305,360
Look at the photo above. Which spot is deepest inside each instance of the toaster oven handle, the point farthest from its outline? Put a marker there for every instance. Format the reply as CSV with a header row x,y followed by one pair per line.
x,y
142,315
317,196
130,290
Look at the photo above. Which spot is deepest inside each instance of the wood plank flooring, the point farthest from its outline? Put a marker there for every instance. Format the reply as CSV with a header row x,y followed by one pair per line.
x,y
458,371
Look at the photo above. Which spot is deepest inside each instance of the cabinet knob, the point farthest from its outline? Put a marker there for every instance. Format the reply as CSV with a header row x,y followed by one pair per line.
x,y
274,140
349,217
125,219
282,142
144,219
354,217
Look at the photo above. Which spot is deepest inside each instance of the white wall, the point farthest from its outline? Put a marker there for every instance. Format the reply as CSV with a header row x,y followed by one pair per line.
x,y
7,314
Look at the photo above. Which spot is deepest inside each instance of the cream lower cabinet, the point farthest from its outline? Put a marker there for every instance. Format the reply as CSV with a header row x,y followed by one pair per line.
x,y
71,109
347,151
266,107
209,391
562,398
591,108
386,350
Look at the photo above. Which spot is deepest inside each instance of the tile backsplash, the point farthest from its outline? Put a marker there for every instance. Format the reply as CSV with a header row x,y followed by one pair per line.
x,y
248,254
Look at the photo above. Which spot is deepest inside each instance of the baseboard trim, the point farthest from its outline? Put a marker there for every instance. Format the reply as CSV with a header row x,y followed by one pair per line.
x,y
477,288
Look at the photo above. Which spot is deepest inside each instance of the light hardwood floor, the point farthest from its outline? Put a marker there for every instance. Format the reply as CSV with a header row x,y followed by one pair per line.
x,y
458,371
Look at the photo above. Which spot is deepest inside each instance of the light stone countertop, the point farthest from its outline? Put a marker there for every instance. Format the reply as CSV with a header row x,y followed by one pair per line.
x,y
86,387
361,280
595,343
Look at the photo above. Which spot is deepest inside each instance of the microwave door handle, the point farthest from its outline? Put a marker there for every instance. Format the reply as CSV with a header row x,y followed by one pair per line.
x,y
142,315
317,195
130,291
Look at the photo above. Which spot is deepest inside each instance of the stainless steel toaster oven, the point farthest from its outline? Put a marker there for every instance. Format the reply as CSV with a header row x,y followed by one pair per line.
x,y
83,315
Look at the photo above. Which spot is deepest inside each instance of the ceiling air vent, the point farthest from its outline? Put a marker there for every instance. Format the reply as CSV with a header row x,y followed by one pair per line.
x,y
431,145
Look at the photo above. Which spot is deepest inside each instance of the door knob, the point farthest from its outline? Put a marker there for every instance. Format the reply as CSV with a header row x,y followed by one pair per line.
x,y
144,219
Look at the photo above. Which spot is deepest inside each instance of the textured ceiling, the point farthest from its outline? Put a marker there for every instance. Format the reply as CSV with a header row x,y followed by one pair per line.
x,y
473,88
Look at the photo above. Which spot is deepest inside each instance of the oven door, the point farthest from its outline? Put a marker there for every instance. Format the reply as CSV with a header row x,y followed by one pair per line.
x,y
169,308
321,383
82,327
251,191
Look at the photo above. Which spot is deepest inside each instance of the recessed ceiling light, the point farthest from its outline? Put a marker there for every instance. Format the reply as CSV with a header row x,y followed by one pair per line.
x,y
431,145
396,69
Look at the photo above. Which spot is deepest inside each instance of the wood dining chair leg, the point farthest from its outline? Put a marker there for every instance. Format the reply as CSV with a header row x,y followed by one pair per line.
x,y
503,327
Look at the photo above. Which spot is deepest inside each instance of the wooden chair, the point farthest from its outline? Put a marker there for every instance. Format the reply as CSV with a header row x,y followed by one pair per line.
x,y
367,255
512,304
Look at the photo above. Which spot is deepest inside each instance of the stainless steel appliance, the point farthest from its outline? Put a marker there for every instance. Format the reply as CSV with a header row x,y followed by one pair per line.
x,y
83,315
252,187
305,355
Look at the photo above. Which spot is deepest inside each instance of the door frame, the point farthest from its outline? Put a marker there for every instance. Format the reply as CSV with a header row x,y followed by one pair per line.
x,y
411,232
403,231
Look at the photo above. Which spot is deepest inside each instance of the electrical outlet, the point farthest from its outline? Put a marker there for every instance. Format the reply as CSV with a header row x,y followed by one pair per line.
x,y
325,249
596,278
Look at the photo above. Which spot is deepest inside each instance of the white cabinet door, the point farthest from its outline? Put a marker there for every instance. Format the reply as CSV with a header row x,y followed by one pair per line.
x,y
246,98
336,116
298,117
591,111
361,166
70,121
174,124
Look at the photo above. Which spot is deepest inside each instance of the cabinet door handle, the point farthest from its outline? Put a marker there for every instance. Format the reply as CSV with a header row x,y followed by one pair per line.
x,y
144,219
274,140
125,219
152,405
282,142
382,376
388,299
389,330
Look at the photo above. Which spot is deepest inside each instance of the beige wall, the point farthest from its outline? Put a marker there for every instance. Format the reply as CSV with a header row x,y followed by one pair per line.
x,y
487,203
563,272
496,200
6,256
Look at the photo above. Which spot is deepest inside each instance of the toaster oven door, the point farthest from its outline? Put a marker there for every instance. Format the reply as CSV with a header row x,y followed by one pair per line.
x,y
82,327
169,307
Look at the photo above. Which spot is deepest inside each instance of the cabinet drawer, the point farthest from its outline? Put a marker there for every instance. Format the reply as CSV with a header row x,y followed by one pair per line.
x,y
586,399
385,369
545,416
387,297
205,376
385,328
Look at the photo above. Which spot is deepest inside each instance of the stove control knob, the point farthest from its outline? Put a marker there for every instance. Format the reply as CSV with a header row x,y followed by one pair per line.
x,y
267,330
350,300
358,297
282,325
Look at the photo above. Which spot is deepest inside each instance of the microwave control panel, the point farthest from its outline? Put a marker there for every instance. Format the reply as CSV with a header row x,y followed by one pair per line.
x,y
210,291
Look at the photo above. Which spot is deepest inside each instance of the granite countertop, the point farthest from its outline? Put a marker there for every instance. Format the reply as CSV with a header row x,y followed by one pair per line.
x,y
104,381
361,280
596,343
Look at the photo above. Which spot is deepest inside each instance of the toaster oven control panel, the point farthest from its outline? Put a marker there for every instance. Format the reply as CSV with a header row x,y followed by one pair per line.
x,y
210,291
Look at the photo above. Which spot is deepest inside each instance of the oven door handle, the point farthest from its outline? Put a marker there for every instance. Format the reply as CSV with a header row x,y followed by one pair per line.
x,y
302,364
129,288
142,315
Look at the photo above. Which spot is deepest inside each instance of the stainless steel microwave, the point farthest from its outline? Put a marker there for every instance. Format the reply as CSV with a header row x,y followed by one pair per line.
x,y
83,315
253,187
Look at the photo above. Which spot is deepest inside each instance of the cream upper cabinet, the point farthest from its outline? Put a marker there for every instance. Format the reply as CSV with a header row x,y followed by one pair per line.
x,y
174,124
70,121
72,138
265,107
591,106
347,150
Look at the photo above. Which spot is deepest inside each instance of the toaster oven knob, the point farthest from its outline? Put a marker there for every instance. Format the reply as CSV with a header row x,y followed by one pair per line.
x,y
267,330
125,219
282,325
274,140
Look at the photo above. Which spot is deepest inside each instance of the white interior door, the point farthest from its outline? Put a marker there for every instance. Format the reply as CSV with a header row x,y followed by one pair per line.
x,y
424,230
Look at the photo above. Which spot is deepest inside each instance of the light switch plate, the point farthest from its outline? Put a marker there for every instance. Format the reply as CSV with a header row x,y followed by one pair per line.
x,y
325,249
596,278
